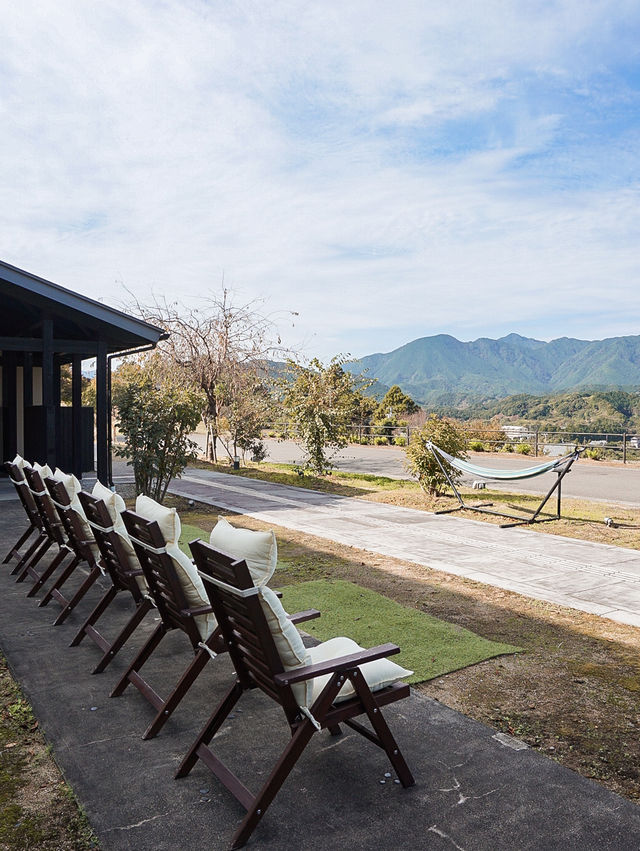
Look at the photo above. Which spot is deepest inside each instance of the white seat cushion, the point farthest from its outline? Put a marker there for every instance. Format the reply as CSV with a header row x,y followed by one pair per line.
x,y
20,462
378,674
258,549
73,488
115,505
44,470
193,589
166,518
170,526
288,642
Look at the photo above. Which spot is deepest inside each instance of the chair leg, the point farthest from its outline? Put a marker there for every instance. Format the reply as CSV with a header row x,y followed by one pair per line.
x,y
69,606
15,549
41,578
123,636
53,591
131,673
216,720
99,610
385,736
33,555
184,684
281,771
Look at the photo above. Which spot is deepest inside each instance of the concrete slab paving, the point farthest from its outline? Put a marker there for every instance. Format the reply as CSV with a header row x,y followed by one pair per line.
x,y
475,789
596,578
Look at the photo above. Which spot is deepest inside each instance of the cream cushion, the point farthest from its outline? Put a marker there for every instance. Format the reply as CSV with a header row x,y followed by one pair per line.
x,y
258,549
293,654
378,674
169,523
193,588
20,462
44,470
115,505
73,488
166,518
289,644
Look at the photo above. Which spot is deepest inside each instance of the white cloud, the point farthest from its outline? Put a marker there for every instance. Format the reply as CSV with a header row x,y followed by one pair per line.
x,y
388,171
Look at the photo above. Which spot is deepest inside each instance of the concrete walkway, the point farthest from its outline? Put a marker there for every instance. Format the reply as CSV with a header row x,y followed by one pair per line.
x,y
475,790
596,578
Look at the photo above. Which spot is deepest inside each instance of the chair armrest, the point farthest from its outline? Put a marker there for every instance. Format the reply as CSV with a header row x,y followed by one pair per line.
x,y
301,617
342,663
201,610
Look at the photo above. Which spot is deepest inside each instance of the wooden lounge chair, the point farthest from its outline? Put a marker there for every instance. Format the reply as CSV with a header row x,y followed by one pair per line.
x,y
261,645
168,581
52,527
122,567
82,543
42,542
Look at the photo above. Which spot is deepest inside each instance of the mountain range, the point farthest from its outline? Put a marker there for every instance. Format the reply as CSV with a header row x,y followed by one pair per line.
x,y
442,369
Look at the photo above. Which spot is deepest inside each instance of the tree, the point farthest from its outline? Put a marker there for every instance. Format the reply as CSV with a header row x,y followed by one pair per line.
x,y
398,403
321,403
156,415
420,460
221,348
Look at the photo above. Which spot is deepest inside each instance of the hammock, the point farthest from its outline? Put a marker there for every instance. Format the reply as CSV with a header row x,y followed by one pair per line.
x,y
561,466
502,475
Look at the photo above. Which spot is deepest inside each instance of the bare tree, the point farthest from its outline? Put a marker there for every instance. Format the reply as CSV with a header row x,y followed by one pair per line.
x,y
221,348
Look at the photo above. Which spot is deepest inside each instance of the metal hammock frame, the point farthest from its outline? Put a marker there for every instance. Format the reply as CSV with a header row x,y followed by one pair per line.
x,y
561,467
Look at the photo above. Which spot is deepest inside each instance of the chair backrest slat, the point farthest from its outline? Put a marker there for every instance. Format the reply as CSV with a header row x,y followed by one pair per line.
x,y
160,572
24,494
50,521
114,556
243,623
69,518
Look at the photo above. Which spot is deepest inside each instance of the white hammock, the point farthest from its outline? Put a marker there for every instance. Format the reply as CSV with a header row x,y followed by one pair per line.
x,y
502,475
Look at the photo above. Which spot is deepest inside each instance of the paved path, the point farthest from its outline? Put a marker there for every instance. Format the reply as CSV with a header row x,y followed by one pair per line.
x,y
475,790
596,578
591,480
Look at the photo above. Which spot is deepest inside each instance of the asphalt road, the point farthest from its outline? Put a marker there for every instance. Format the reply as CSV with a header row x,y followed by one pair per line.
x,y
593,480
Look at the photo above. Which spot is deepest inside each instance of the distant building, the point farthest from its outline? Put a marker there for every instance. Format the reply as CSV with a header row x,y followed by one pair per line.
x,y
515,432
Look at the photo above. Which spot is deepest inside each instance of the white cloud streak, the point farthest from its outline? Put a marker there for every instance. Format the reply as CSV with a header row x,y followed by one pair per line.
x,y
387,171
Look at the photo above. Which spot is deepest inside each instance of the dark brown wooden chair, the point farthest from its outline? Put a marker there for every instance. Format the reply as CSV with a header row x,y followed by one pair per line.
x,y
54,530
257,661
124,573
168,594
83,546
38,547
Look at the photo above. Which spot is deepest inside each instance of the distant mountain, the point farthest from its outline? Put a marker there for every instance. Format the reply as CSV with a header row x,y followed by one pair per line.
x,y
436,368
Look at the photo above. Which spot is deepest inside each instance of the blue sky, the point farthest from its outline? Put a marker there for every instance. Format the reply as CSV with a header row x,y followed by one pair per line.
x,y
387,171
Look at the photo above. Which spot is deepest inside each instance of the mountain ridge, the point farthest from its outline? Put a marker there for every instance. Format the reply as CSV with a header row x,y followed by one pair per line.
x,y
428,367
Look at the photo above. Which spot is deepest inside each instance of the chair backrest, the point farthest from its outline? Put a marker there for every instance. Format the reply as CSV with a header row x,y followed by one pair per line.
x,y
236,604
26,498
51,523
72,523
159,571
114,556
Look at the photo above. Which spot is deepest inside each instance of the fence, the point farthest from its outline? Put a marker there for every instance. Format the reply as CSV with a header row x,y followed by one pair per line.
x,y
622,446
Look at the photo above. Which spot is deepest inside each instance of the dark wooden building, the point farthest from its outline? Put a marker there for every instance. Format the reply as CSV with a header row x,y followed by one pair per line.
x,y
42,327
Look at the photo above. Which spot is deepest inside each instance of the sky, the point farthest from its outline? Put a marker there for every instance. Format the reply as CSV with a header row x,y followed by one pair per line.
x,y
367,172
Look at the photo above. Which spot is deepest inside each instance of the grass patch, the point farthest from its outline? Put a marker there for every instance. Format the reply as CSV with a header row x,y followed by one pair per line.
x,y
190,533
430,647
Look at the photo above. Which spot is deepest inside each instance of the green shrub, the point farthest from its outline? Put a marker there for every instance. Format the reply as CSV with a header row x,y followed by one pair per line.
x,y
524,448
508,447
421,462
380,441
594,454
400,441
476,446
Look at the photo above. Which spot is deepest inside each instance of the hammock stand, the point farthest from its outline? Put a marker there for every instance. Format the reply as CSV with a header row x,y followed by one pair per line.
x,y
561,467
